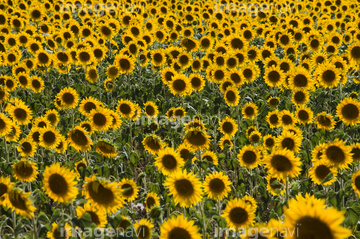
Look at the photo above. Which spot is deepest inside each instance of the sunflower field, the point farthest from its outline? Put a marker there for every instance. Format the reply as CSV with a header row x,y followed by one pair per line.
x,y
185,119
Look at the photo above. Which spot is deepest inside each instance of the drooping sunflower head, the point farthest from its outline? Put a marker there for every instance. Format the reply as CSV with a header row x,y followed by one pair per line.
x,y
197,138
153,144
210,157
19,201
106,149
77,138
225,141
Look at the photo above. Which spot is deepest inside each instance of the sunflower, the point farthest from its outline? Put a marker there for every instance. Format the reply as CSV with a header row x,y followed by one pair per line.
x,y
210,157
355,150
269,141
5,125
151,200
125,108
300,96
25,171
179,227
311,219
43,58
49,138
255,137
320,170
225,140
125,63
151,109
228,126
60,231
300,78
143,229
68,98
348,110
185,151
356,182
78,139
238,214
100,119
304,115
282,163
197,138
5,187
275,185
327,75
354,53
14,133
206,42
197,82
3,94
180,85
102,194
129,189
324,121
273,119
249,157
27,148
92,74
106,149
337,154
169,161
231,96
19,202
185,188
158,57
288,140
217,185
20,112
88,104
98,217
287,118
250,111
59,183
274,76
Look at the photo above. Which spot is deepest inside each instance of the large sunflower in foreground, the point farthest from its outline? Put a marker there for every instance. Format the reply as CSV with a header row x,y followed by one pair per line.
x,y
348,110
179,227
337,154
282,163
169,161
129,189
197,138
143,229
25,171
217,185
19,201
185,188
78,139
60,183
98,216
103,194
311,219
238,214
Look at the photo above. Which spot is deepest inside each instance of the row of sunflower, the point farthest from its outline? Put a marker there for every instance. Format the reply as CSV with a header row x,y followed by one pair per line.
x,y
281,159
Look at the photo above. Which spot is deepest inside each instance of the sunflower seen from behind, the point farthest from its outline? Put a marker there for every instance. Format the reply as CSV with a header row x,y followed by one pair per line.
x,y
185,188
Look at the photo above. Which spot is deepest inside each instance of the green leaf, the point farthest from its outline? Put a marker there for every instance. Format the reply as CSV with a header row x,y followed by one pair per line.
x,y
220,221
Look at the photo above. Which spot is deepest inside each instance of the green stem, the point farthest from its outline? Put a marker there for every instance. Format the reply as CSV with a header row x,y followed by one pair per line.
x,y
6,151
14,223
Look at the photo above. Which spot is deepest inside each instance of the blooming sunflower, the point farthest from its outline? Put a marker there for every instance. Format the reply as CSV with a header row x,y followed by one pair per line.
x,y
5,125
185,188
14,133
185,151
49,138
78,139
197,138
63,231
231,96
151,200
311,219
282,163
98,217
239,214
273,119
327,75
68,98
356,182
320,171
88,104
324,121
100,119
228,126
249,111
103,194
180,85
249,157
59,183
348,110
288,140
20,112
217,185
125,63
179,227
19,202
210,157
337,154
153,144
225,140
5,187
151,109
143,229
106,149
269,141
274,76
125,108
52,116
25,171
275,185
304,114
169,161
27,147
129,189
